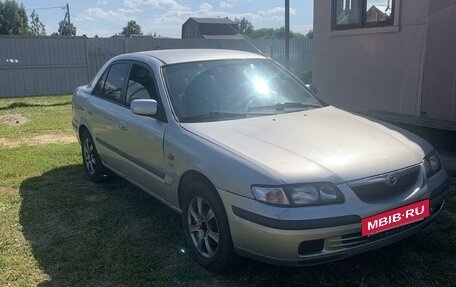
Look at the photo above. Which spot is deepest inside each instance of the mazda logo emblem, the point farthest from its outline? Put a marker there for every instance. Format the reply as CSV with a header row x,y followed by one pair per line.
x,y
391,179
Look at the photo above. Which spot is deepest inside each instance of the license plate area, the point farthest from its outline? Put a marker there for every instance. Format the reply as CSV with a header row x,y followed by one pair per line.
x,y
395,218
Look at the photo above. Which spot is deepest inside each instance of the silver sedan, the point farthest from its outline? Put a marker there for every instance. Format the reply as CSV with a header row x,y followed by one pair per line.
x,y
254,161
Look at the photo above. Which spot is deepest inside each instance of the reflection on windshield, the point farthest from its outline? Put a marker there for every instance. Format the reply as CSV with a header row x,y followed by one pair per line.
x,y
220,89
261,86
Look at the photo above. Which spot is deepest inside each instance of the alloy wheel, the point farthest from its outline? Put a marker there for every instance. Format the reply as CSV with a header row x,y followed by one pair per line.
x,y
89,156
203,227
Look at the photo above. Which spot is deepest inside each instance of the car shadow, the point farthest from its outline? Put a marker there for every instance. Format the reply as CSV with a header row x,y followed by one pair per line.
x,y
113,234
109,234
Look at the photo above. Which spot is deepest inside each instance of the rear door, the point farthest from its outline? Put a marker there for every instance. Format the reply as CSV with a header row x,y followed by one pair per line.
x,y
106,106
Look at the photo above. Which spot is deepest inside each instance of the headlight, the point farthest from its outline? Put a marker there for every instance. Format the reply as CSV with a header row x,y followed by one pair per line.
x,y
273,195
299,194
432,164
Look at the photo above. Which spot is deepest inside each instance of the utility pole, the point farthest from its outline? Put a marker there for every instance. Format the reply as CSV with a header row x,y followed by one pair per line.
x,y
68,13
287,34
67,16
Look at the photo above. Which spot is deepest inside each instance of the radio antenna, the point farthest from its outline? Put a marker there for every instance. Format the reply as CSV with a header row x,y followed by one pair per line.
x,y
247,39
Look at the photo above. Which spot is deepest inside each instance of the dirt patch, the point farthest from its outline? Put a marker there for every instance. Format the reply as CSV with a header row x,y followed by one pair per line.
x,y
13,120
43,139
52,138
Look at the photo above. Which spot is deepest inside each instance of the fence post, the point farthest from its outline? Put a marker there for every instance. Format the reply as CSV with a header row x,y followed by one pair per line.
x,y
271,50
287,34
87,58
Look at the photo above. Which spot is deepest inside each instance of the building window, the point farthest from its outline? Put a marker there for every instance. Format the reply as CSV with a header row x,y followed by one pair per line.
x,y
349,14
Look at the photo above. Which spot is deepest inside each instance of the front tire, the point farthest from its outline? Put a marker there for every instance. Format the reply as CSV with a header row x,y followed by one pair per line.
x,y
92,163
206,228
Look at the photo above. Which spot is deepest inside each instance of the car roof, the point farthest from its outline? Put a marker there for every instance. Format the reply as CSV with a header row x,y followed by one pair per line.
x,y
174,56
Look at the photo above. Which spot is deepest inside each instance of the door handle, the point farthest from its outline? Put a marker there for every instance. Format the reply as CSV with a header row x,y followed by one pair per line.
x,y
123,126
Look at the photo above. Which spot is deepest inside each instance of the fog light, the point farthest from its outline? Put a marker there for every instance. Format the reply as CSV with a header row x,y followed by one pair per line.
x,y
310,247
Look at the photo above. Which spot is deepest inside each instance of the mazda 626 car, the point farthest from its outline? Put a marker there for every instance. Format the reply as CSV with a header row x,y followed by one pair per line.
x,y
254,161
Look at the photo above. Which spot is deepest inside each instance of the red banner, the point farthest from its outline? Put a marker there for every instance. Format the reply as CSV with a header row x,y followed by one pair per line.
x,y
395,218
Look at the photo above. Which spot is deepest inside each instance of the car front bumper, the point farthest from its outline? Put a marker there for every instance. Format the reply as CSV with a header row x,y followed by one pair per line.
x,y
315,235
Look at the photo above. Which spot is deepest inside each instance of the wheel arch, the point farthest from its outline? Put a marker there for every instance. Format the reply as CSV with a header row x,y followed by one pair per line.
x,y
224,257
192,176
82,128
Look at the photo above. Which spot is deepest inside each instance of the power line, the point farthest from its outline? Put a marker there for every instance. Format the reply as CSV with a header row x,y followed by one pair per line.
x,y
101,23
47,8
67,14
65,7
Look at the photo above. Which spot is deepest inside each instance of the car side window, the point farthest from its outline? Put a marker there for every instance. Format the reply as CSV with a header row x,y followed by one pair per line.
x,y
141,85
115,81
98,89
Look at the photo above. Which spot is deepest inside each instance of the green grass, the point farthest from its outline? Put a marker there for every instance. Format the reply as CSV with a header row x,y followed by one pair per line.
x,y
58,229
46,115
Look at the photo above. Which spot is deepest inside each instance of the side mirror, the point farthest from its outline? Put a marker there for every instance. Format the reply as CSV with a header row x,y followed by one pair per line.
x,y
313,88
144,107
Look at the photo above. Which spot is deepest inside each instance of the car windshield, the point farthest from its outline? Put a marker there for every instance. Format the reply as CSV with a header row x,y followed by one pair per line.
x,y
232,89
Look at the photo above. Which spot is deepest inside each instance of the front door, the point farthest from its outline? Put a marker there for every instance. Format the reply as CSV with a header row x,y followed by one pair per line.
x,y
140,138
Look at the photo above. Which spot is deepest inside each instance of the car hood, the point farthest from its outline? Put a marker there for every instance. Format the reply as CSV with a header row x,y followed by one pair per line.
x,y
324,144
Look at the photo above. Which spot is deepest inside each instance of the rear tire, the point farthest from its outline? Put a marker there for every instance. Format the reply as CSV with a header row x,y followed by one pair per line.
x,y
92,163
206,228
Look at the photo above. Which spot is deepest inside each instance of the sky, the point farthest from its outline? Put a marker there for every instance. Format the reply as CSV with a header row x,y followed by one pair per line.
x,y
165,17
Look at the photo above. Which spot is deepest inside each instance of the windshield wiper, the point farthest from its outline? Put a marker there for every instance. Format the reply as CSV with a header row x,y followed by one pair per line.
x,y
286,105
220,114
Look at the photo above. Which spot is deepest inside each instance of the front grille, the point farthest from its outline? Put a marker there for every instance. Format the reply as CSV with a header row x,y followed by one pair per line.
x,y
385,186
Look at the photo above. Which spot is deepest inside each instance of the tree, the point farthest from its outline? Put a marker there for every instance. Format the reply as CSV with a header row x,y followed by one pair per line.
x,y
271,33
66,28
280,33
132,28
310,34
36,26
13,18
245,26
262,33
